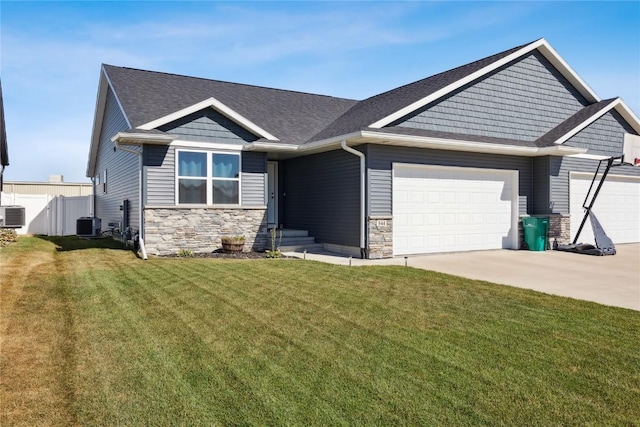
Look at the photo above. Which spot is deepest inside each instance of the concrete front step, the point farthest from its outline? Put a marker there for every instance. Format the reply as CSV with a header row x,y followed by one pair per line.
x,y
314,247
293,241
287,232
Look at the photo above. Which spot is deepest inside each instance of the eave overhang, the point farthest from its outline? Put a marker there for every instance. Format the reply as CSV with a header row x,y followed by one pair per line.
x,y
368,137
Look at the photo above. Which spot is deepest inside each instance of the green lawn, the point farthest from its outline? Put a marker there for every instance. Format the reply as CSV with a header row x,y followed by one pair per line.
x,y
95,336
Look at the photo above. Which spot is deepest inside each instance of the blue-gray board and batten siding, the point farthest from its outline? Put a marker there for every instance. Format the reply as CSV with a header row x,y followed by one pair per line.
x,y
160,176
121,167
380,159
321,194
521,100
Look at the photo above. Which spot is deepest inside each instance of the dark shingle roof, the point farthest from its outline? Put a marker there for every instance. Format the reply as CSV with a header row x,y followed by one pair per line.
x,y
290,116
379,106
4,152
549,138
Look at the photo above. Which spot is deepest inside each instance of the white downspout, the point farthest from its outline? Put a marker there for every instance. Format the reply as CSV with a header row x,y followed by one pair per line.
x,y
140,220
363,219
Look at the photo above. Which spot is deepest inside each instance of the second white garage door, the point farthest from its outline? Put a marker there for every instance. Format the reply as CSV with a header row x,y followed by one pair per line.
x,y
449,209
617,207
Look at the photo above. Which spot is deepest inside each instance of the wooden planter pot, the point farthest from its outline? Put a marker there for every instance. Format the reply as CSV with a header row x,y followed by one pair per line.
x,y
232,245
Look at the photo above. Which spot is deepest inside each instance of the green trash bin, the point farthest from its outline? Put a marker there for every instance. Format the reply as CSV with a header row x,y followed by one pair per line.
x,y
535,232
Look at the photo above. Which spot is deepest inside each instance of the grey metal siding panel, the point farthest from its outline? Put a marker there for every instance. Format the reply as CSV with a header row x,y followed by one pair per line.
x,y
541,185
323,196
381,159
605,136
521,100
160,181
561,167
210,126
122,170
254,178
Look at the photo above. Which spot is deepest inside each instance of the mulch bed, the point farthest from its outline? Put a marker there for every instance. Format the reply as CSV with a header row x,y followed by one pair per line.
x,y
219,253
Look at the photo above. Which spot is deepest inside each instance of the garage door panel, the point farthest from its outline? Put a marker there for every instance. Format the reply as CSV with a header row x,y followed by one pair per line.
x,y
617,208
461,209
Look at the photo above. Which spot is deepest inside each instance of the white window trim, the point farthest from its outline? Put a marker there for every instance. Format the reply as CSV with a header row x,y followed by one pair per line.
x,y
208,179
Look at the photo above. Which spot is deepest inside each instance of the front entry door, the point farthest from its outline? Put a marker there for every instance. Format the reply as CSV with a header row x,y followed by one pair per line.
x,y
272,194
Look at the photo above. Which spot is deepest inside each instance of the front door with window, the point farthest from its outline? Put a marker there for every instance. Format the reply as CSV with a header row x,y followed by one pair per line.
x,y
272,194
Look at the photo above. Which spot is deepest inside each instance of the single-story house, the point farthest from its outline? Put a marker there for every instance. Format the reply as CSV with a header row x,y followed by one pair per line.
x,y
448,163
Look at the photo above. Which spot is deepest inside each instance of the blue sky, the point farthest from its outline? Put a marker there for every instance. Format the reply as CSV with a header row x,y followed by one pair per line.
x,y
51,52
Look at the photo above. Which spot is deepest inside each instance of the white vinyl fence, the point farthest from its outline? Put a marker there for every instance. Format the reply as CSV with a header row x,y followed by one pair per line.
x,y
50,215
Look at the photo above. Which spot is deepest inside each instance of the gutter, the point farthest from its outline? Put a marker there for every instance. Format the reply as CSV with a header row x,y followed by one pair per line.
x,y
345,147
140,212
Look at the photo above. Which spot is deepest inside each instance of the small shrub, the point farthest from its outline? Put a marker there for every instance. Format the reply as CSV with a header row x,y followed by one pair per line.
x,y
273,254
184,253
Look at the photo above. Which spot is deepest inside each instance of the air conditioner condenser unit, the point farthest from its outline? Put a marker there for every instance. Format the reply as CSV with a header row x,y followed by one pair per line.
x,y
12,216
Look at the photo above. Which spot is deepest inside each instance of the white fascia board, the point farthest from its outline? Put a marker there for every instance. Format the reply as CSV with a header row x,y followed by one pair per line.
x,y
216,105
589,156
568,72
587,122
453,86
542,45
617,104
268,146
129,138
207,145
628,115
560,150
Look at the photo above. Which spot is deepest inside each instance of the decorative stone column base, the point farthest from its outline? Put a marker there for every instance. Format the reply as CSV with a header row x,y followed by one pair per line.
x,y
380,237
168,229
559,229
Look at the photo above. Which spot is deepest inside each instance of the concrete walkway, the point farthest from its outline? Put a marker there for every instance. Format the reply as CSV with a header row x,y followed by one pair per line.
x,y
609,280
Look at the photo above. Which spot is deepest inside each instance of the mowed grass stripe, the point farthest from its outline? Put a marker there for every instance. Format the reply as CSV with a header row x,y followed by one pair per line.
x,y
201,341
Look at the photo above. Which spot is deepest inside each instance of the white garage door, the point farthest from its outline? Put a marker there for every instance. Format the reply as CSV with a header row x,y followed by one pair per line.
x,y
448,209
617,207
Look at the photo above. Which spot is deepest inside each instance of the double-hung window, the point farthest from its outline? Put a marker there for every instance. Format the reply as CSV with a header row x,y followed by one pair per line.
x,y
208,178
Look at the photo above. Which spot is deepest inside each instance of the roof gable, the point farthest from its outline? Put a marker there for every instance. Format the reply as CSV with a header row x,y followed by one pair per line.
x,y
150,98
383,109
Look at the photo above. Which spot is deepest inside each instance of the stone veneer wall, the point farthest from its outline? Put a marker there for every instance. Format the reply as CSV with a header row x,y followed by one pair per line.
x,y
168,230
559,229
380,237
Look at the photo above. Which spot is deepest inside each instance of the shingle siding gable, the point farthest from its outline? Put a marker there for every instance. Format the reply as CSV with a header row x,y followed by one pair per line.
x,y
521,100
605,136
208,126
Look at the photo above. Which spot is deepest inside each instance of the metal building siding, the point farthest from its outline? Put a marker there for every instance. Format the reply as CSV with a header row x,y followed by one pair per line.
x,y
160,181
122,170
605,136
67,189
254,178
322,195
522,100
561,167
381,158
210,126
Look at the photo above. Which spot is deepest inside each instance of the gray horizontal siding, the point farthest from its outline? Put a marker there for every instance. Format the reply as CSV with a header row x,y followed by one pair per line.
x,y
322,195
561,167
381,158
605,136
254,173
208,126
541,185
122,170
522,100
160,178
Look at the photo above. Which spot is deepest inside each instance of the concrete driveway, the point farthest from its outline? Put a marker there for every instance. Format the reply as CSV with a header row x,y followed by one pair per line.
x,y
609,280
